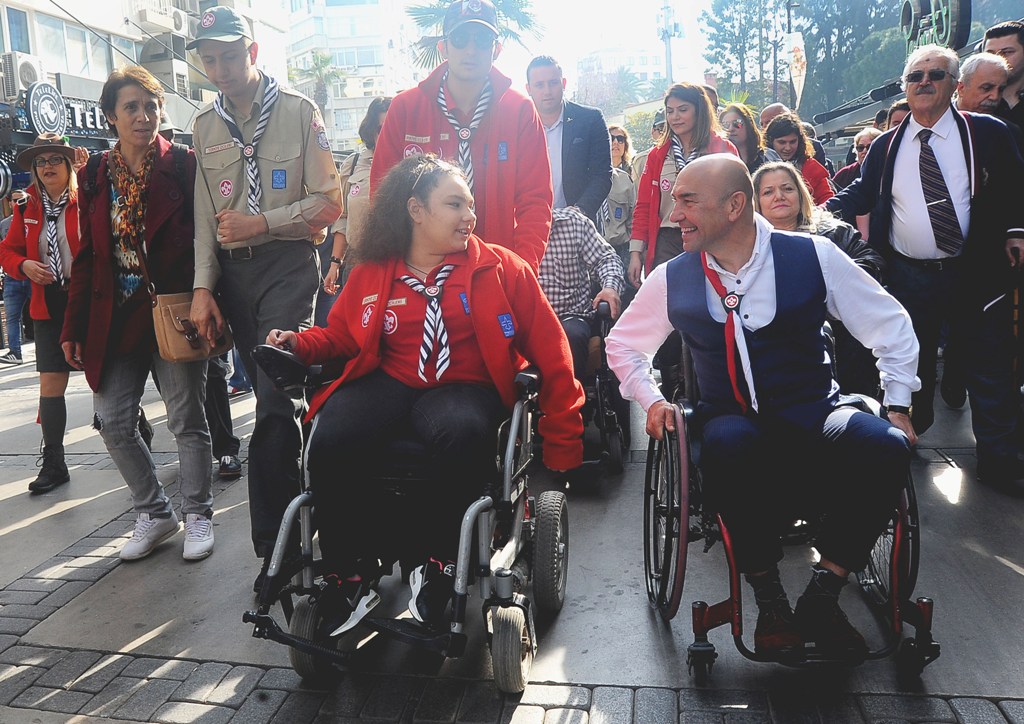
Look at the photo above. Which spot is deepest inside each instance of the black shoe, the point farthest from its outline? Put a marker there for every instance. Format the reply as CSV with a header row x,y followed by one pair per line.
x,y
432,586
776,631
230,468
54,472
953,391
1006,476
261,577
820,620
344,602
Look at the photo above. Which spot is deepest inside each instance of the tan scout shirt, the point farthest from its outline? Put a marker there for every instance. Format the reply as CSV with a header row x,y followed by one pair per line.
x,y
621,201
355,182
301,190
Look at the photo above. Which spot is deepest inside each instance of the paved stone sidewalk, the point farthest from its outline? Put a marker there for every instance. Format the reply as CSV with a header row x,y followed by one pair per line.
x,y
51,684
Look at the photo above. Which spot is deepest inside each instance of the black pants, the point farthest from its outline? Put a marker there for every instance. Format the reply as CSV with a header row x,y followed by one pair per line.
x,y
218,408
761,472
352,440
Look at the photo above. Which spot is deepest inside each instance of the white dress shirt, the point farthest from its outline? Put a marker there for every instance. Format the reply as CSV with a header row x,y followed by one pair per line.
x,y
871,314
554,136
911,233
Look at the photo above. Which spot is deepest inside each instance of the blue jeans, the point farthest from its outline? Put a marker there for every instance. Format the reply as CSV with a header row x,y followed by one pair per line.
x,y
239,380
17,292
183,389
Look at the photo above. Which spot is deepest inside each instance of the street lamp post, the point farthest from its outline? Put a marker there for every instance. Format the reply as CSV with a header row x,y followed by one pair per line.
x,y
789,31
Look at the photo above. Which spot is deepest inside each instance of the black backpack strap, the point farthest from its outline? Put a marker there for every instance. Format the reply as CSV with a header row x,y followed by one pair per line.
x,y
92,168
180,153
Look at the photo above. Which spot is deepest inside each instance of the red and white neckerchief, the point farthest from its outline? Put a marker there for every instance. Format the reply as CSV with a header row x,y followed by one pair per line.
x,y
735,341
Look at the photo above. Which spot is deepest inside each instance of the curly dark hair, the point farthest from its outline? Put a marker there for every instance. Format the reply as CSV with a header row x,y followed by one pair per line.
x,y
387,230
786,124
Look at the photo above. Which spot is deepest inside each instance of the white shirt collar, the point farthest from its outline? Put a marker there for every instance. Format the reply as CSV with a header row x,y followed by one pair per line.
x,y
556,124
761,243
942,128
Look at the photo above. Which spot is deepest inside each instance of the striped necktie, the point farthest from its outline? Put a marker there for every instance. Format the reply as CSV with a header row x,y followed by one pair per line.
x,y
945,225
252,170
433,322
465,133
52,211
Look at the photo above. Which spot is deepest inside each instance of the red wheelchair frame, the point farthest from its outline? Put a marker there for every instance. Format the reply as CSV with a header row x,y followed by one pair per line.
x,y
674,516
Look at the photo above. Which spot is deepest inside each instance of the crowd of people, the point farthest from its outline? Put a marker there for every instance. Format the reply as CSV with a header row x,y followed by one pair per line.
x,y
477,229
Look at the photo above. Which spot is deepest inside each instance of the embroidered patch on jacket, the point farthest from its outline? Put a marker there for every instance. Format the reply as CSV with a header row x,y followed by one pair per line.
x,y
400,302
507,326
354,191
219,147
416,139
321,139
279,178
370,299
226,187
390,322
465,302
412,150
367,313
503,150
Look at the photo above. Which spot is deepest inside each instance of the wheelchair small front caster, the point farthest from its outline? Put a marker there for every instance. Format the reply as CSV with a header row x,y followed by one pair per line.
x,y
700,658
910,660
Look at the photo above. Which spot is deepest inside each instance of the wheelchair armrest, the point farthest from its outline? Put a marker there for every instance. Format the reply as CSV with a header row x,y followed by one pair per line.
x,y
284,369
528,381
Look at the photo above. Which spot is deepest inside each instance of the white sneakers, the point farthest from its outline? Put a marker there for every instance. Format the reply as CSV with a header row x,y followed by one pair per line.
x,y
151,532
198,537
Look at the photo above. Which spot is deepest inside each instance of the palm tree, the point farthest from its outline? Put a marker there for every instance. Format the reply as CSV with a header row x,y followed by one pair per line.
x,y
515,19
322,72
628,86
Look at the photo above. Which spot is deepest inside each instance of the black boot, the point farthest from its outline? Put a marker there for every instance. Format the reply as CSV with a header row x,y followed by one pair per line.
x,y
54,471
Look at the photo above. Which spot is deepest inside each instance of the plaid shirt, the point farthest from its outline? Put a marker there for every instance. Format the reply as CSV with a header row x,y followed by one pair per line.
x,y
577,258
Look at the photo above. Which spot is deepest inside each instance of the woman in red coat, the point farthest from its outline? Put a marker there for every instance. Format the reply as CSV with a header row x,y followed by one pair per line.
x,y
137,227
40,245
786,135
432,326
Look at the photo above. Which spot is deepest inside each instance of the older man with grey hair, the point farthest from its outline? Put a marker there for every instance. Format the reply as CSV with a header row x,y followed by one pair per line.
x,y
983,79
943,194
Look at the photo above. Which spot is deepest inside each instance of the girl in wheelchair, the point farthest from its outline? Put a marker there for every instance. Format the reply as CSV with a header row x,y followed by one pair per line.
x,y
432,327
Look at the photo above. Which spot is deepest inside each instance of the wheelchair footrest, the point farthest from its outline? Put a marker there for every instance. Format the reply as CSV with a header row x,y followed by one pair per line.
x,y
411,632
267,628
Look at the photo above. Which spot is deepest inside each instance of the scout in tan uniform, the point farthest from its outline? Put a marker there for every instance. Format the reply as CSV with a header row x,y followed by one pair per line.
x,y
266,188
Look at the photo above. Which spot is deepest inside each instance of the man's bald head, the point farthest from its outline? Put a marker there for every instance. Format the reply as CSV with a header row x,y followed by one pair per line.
x,y
770,111
712,203
723,174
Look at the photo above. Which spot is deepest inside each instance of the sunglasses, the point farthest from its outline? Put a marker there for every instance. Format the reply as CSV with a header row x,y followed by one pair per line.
x,y
616,138
935,75
862,146
734,124
52,161
481,37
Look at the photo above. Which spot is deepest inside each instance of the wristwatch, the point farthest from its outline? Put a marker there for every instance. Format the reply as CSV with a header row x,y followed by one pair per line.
x,y
335,260
901,409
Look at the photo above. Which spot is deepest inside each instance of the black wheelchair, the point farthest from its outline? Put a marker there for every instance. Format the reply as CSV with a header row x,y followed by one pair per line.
x,y
605,405
675,515
508,541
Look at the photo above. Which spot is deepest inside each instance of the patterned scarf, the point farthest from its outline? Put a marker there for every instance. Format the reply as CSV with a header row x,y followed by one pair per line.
x,y
52,211
127,217
252,170
433,322
677,154
465,133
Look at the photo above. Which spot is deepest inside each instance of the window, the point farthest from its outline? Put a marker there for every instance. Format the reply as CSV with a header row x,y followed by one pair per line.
x,y
17,25
99,57
50,35
127,47
78,52
369,55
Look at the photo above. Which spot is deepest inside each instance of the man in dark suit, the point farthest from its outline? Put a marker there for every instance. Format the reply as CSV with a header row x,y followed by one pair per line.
x,y
941,189
578,144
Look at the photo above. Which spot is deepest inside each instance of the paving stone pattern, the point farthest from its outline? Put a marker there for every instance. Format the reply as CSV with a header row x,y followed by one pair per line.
x,y
98,685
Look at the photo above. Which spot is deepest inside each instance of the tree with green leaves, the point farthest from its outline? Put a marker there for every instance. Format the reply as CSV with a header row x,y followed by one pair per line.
x,y
638,125
515,20
323,73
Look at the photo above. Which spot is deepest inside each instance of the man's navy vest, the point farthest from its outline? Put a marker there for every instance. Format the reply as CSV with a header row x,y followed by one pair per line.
x,y
788,356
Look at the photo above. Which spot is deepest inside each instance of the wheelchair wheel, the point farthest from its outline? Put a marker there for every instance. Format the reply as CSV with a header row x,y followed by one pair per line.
x,y
615,451
666,518
876,578
511,649
551,551
305,622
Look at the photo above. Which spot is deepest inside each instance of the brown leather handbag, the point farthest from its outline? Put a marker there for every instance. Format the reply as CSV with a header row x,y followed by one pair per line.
x,y
176,336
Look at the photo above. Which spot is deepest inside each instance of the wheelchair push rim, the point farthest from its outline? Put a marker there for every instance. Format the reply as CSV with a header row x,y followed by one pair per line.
x,y
666,515
876,579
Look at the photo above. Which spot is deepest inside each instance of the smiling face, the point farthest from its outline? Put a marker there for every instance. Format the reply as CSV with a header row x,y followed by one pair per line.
x,y
681,118
786,146
736,126
443,224
54,178
136,116
778,199
699,210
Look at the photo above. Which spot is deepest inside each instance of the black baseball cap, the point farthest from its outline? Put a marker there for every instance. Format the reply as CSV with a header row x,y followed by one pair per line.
x,y
463,12
222,24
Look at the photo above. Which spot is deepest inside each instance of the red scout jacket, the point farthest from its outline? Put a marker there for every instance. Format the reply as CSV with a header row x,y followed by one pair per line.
x,y
647,214
22,243
502,291
509,154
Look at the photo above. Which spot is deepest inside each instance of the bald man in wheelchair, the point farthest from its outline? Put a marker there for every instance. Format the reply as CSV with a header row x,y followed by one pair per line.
x,y
750,303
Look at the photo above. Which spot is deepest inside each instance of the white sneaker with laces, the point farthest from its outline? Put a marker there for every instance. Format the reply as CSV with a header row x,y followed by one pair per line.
x,y
149,533
198,537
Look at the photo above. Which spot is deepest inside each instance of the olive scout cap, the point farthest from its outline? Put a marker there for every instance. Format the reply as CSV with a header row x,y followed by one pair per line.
x,y
463,12
222,24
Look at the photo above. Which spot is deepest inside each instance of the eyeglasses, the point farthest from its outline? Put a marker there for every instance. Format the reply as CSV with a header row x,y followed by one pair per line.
x,y
51,161
482,38
862,146
935,75
734,124
616,138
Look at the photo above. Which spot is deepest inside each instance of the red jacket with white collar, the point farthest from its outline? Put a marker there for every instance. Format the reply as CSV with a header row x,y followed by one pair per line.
x,y
647,214
510,159
22,243
514,326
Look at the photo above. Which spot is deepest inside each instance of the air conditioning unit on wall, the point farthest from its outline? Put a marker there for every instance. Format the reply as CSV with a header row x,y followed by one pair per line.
x,y
20,71
179,19
155,21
